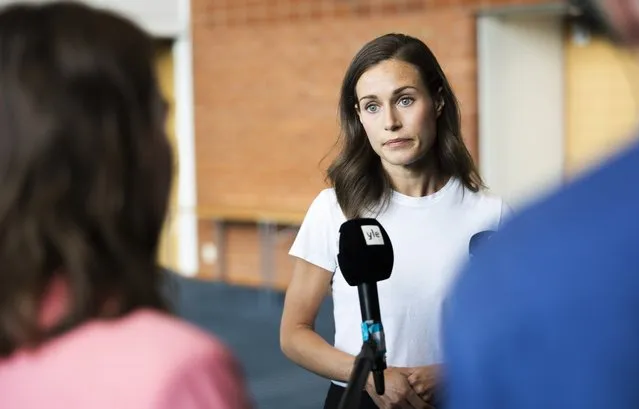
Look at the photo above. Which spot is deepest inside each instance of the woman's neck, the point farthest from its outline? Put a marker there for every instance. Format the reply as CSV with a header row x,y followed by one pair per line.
x,y
55,302
416,181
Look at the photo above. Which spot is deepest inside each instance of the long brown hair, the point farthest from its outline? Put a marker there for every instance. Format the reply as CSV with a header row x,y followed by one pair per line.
x,y
85,167
360,182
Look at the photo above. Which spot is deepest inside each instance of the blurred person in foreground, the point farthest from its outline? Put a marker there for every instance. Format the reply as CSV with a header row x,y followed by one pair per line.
x,y
85,173
547,314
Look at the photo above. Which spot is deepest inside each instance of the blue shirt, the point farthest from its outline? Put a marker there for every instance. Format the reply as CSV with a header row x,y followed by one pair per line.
x,y
546,315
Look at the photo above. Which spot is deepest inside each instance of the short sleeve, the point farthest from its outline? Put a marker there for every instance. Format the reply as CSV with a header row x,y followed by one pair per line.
x,y
211,379
316,240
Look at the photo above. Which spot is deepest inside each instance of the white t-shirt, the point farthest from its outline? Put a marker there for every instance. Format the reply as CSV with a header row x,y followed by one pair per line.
x,y
430,237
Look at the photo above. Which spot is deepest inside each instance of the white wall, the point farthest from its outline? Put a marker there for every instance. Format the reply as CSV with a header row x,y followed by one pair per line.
x,y
186,223
159,17
521,103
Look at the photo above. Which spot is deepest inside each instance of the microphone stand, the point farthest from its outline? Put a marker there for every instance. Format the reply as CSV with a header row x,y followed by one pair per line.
x,y
366,362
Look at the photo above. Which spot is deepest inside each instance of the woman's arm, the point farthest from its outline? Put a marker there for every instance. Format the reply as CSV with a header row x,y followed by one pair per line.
x,y
300,343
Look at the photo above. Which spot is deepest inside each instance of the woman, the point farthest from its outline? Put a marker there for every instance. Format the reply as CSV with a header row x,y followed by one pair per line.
x,y
85,170
404,162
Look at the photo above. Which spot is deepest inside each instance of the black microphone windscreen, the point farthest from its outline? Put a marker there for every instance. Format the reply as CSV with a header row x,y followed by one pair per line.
x,y
365,252
478,239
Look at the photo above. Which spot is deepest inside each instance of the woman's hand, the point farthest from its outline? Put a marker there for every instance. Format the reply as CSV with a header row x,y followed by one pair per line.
x,y
423,379
398,393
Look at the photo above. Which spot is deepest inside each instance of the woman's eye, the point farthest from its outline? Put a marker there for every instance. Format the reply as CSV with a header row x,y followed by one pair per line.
x,y
372,108
405,101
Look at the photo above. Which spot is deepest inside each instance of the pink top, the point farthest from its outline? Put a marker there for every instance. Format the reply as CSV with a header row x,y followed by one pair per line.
x,y
146,360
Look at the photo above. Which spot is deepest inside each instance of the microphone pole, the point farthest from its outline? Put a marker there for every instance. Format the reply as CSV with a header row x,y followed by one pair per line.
x,y
371,357
363,366
372,330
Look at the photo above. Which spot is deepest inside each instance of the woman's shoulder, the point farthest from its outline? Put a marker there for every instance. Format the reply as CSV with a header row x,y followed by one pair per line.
x,y
168,359
190,355
487,203
483,195
168,333
483,201
326,196
144,337
324,203
490,198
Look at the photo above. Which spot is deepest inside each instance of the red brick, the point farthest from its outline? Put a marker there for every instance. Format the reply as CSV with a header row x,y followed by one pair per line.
x,y
266,89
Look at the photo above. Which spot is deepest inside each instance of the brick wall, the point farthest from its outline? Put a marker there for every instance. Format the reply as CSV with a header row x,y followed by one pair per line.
x,y
267,76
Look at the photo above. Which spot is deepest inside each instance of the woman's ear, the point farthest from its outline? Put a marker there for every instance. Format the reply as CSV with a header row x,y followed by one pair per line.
x,y
358,112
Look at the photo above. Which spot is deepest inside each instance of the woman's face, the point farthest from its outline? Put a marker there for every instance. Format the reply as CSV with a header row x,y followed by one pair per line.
x,y
397,112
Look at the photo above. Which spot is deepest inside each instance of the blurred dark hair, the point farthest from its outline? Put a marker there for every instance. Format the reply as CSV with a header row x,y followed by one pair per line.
x,y
590,14
85,167
360,182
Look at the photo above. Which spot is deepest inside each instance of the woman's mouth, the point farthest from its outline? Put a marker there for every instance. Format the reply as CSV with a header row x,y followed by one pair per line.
x,y
397,143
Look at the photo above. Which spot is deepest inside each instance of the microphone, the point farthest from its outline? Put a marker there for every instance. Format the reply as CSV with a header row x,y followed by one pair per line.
x,y
365,257
477,240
